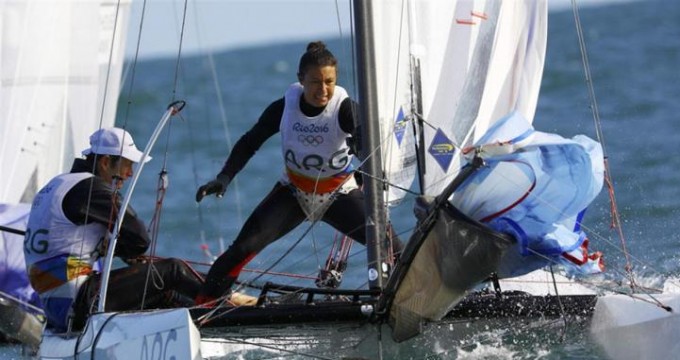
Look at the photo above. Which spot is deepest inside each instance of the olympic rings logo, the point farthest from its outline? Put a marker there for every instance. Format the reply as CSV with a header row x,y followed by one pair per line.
x,y
310,140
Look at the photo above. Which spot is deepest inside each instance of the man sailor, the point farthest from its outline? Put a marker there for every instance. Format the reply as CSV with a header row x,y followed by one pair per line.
x,y
67,234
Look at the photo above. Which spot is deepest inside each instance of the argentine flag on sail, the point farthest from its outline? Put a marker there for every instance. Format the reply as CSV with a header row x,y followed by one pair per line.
x,y
535,186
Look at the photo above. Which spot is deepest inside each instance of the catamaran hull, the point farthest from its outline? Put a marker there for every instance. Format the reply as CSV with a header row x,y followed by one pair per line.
x,y
325,330
19,324
630,328
158,334
261,332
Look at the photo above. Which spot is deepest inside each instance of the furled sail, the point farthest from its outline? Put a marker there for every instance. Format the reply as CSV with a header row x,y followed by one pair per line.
x,y
535,186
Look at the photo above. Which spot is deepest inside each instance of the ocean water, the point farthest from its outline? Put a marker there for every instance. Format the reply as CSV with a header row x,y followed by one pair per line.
x,y
634,55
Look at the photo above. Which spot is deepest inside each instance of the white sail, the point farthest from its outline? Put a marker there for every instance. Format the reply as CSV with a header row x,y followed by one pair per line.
x,y
477,62
56,85
60,70
395,101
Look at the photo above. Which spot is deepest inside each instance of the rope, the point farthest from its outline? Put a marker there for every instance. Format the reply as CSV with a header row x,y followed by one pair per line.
x,y
155,222
152,273
220,301
616,219
179,51
645,291
330,275
559,301
235,185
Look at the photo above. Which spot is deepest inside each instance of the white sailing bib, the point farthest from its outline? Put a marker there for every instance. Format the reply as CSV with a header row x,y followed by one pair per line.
x,y
315,151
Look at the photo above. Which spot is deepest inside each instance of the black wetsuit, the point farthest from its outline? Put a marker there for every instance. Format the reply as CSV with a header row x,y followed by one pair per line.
x,y
172,282
279,212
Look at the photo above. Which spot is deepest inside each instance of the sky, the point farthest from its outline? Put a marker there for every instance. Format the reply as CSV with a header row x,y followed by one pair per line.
x,y
215,25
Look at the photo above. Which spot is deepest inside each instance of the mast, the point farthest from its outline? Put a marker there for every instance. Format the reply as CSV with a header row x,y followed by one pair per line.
x,y
376,246
417,123
416,97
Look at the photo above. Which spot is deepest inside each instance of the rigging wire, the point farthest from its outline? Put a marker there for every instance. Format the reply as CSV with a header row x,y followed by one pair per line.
x,y
133,71
154,226
235,184
179,51
152,273
133,66
346,65
192,151
103,245
559,302
394,99
616,218
208,316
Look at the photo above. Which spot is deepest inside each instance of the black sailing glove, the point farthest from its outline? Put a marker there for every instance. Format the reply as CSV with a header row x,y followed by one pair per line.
x,y
217,186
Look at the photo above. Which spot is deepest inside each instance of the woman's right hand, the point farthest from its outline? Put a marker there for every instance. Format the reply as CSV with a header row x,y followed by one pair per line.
x,y
217,186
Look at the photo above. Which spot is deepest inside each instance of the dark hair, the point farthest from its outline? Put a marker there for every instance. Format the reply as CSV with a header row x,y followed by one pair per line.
x,y
316,55
91,157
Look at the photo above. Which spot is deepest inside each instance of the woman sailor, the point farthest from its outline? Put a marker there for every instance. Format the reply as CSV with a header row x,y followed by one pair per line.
x,y
315,118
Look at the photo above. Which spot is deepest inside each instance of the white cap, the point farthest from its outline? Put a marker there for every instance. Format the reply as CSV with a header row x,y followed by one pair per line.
x,y
114,141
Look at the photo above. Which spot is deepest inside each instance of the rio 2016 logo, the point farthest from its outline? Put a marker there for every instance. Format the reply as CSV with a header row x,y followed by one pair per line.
x,y
310,128
310,140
